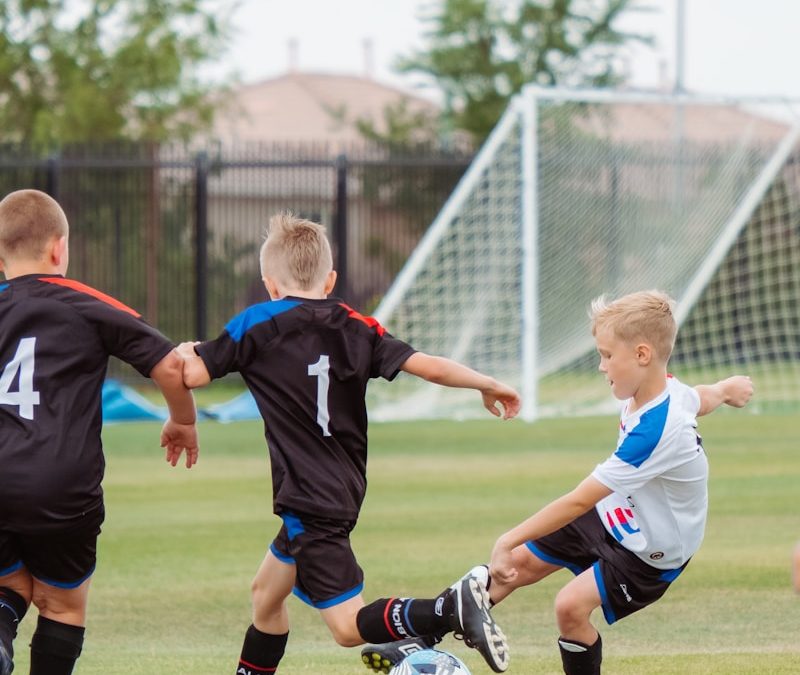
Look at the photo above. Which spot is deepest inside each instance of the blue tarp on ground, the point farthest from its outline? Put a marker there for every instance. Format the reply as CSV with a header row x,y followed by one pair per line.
x,y
124,404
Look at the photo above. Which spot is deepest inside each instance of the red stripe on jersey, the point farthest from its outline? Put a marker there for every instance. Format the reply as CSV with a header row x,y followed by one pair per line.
x,y
83,288
372,323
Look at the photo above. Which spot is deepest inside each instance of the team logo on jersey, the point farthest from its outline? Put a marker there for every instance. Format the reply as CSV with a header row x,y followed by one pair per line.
x,y
657,555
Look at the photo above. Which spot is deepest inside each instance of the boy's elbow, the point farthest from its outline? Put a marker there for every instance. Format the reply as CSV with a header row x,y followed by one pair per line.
x,y
168,371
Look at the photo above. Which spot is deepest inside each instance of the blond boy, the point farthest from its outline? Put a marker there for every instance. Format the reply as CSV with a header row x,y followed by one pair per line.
x,y
630,528
307,359
56,336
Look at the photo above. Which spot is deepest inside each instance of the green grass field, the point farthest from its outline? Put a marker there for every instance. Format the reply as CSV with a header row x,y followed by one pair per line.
x,y
171,592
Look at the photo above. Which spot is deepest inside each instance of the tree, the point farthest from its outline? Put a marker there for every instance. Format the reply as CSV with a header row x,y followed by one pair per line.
x,y
102,70
482,52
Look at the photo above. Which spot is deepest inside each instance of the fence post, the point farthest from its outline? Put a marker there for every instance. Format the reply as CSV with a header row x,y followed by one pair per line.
x,y
340,226
51,179
201,245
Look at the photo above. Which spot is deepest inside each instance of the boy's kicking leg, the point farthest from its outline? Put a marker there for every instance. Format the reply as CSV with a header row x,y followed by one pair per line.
x,y
398,626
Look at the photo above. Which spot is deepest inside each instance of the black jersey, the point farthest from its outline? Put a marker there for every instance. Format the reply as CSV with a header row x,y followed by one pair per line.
x,y
56,335
307,364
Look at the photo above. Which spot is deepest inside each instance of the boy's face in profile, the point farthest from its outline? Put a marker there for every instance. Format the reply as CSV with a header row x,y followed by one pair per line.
x,y
621,362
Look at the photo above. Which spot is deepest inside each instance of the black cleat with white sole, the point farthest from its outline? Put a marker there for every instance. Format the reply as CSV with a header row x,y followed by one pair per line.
x,y
472,620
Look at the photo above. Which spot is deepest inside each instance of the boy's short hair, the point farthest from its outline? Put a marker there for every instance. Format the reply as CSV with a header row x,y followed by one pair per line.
x,y
646,316
296,253
29,219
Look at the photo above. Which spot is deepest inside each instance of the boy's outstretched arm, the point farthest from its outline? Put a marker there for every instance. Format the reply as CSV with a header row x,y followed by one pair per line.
x,y
179,433
734,391
449,373
552,517
195,373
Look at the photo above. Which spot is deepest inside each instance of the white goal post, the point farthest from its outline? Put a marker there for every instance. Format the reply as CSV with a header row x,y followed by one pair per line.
x,y
580,193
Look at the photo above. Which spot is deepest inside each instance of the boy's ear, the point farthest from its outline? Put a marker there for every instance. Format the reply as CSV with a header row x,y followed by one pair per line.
x,y
272,287
644,354
57,250
330,282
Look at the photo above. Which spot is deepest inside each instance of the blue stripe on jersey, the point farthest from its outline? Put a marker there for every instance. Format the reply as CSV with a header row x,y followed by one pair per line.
x,y
3,287
324,604
256,314
644,437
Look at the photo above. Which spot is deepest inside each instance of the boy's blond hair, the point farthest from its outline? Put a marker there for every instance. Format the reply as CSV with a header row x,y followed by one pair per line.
x,y
297,253
29,219
646,316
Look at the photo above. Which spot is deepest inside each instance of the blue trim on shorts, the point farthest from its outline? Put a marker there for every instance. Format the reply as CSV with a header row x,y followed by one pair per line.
x,y
294,526
280,556
66,584
608,611
670,575
17,565
3,287
343,597
572,567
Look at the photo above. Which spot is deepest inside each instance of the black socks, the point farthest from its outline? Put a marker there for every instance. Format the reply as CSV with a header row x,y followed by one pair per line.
x,y
12,609
391,619
579,658
261,652
55,647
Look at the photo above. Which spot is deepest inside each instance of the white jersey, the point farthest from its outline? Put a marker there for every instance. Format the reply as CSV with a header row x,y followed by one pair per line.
x,y
659,475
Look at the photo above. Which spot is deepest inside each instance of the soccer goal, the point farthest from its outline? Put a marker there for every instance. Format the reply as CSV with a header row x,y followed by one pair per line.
x,y
580,193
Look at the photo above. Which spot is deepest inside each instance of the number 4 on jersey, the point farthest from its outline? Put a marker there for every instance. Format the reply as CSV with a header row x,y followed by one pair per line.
x,y
25,397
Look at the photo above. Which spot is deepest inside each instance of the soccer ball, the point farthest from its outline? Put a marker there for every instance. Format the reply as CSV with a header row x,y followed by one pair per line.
x,y
430,662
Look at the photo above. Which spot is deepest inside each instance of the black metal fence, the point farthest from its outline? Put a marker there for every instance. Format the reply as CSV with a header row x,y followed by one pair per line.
x,y
175,232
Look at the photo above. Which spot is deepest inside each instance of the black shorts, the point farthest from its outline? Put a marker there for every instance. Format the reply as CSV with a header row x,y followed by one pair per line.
x,y
64,558
327,571
626,583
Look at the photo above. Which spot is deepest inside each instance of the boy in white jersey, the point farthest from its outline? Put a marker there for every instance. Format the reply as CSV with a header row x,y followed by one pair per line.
x,y
629,529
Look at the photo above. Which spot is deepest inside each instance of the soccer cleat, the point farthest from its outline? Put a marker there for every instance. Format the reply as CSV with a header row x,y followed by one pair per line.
x,y
6,664
382,658
472,621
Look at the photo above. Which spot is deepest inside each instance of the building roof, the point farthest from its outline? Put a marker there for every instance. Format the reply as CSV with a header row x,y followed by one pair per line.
x,y
305,107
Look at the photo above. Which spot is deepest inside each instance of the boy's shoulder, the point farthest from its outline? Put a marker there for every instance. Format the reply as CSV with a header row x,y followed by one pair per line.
x,y
80,291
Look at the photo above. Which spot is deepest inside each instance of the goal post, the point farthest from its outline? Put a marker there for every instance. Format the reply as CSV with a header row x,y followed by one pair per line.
x,y
580,193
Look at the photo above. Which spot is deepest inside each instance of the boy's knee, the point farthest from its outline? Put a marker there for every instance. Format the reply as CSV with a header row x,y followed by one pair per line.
x,y
346,635
568,611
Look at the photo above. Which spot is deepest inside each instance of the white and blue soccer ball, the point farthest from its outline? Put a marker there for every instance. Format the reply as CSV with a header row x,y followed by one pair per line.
x,y
430,662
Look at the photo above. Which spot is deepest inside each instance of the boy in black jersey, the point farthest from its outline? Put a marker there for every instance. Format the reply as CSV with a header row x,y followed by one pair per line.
x,y
56,336
307,359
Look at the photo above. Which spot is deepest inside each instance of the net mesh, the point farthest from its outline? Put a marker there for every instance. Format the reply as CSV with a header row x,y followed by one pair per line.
x,y
629,196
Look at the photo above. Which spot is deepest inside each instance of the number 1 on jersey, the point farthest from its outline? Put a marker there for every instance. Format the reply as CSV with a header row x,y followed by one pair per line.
x,y
25,397
321,370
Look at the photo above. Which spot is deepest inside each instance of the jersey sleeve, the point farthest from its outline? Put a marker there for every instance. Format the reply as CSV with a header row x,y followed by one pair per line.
x,y
235,348
126,335
388,355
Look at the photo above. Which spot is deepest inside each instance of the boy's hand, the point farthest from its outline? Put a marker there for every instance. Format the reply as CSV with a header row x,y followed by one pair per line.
x,y
738,390
186,349
501,566
503,394
177,438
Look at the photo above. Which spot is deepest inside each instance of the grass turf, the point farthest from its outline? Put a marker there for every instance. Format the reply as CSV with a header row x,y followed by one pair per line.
x,y
171,592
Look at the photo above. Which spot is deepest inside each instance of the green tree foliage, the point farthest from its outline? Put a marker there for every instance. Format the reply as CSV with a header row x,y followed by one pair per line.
x,y
482,52
100,70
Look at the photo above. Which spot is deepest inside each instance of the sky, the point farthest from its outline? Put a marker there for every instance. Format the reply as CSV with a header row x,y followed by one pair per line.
x,y
732,47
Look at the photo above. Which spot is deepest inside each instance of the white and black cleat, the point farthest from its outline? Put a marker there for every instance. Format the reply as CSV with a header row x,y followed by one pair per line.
x,y
473,621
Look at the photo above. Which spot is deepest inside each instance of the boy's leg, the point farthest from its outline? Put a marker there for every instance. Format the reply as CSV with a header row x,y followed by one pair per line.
x,y
15,594
580,644
265,639
58,639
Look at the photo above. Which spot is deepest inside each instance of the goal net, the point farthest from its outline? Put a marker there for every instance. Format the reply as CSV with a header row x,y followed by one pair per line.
x,y
577,194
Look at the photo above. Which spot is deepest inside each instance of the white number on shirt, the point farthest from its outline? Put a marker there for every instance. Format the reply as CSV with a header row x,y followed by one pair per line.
x,y
320,369
25,397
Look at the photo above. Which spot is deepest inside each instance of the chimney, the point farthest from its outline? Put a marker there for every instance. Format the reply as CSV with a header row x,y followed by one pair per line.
x,y
369,59
293,50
